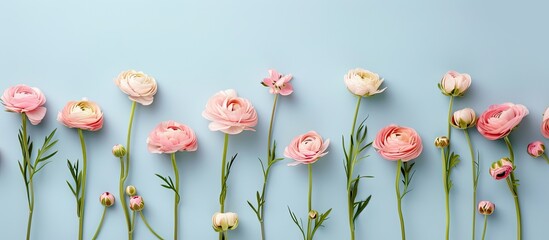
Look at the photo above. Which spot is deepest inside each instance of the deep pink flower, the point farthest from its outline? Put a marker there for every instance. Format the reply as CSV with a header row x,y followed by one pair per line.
x,y
278,84
24,99
536,148
499,120
306,148
398,143
229,113
545,124
501,169
170,137
84,114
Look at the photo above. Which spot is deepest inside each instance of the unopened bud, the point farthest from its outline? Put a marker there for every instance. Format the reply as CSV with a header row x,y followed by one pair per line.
x,y
442,142
119,151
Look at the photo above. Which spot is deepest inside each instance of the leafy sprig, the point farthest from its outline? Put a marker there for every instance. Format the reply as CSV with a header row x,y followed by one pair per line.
x,y
76,189
168,184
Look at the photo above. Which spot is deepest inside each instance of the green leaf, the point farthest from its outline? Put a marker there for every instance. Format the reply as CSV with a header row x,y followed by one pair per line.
x,y
360,206
297,222
319,221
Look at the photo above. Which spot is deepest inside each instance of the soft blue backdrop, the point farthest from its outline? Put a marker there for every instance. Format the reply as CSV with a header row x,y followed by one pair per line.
x,y
74,49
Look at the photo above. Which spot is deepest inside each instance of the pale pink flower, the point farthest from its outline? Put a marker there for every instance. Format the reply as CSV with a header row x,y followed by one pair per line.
x,y
229,113
398,143
486,207
136,203
222,222
464,118
499,120
278,84
24,99
106,199
139,86
306,148
170,137
84,114
454,83
545,124
362,82
536,149
501,169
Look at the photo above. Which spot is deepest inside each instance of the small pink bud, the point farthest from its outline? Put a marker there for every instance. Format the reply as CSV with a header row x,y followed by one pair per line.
x,y
501,169
536,149
136,203
106,199
486,207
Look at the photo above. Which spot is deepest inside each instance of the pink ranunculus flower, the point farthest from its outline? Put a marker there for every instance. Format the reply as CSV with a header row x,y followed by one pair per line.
x,y
501,169
454,83
362,82
306,148
139,86
499,120
536,149
106,199
464,118
278,84
545,124
486,207
229,113
170,137
84,114
398,143
137,203
24,99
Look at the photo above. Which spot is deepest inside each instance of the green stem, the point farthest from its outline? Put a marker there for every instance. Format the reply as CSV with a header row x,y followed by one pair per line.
x,y
511,180
517,210
176,201
475,179
485,223
83,189
510,147
446,191
351,167
309,202
125,171
149,226
449,125
399,199
132,223
128,140
269,136
223,193
100,224
545,157
30,171
122,197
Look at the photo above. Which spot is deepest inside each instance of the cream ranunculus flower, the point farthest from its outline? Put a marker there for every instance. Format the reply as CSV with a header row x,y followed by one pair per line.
x,y
139,86
362,82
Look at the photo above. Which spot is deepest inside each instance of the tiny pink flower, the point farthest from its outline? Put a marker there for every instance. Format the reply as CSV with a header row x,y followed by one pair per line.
x,y
499,120
545,124
306,148
464,118
139,86
24,99
229,113
136,203
486,207
536,149
278,84
362,82
454,83
501,169
84,114
398,143
170,137
106,199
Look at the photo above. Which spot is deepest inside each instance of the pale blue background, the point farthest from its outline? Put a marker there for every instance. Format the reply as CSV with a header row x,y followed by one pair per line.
x,y
73,49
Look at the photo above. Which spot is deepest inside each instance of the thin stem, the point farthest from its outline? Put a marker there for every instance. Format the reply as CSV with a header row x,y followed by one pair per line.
x,y
223,193
359,98
29,186
83,189
128,140
510,147
149,226
133,223
519,225
450,106
176,201
446,191
511,180
475,178
545,157
100,224
485,223
351,167
122,197
124,172
309,202
399,199
269,136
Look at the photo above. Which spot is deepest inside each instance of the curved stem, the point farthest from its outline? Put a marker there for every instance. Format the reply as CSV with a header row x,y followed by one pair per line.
x,y
399,199
485,223
124,172
100,224
122,197
128,140
149,226
510,147
511,180
475,179
176,200
29,186
83,189
309,202
269,136
517,210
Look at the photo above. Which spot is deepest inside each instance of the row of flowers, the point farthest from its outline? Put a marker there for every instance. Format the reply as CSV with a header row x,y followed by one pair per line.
x,y
231,114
